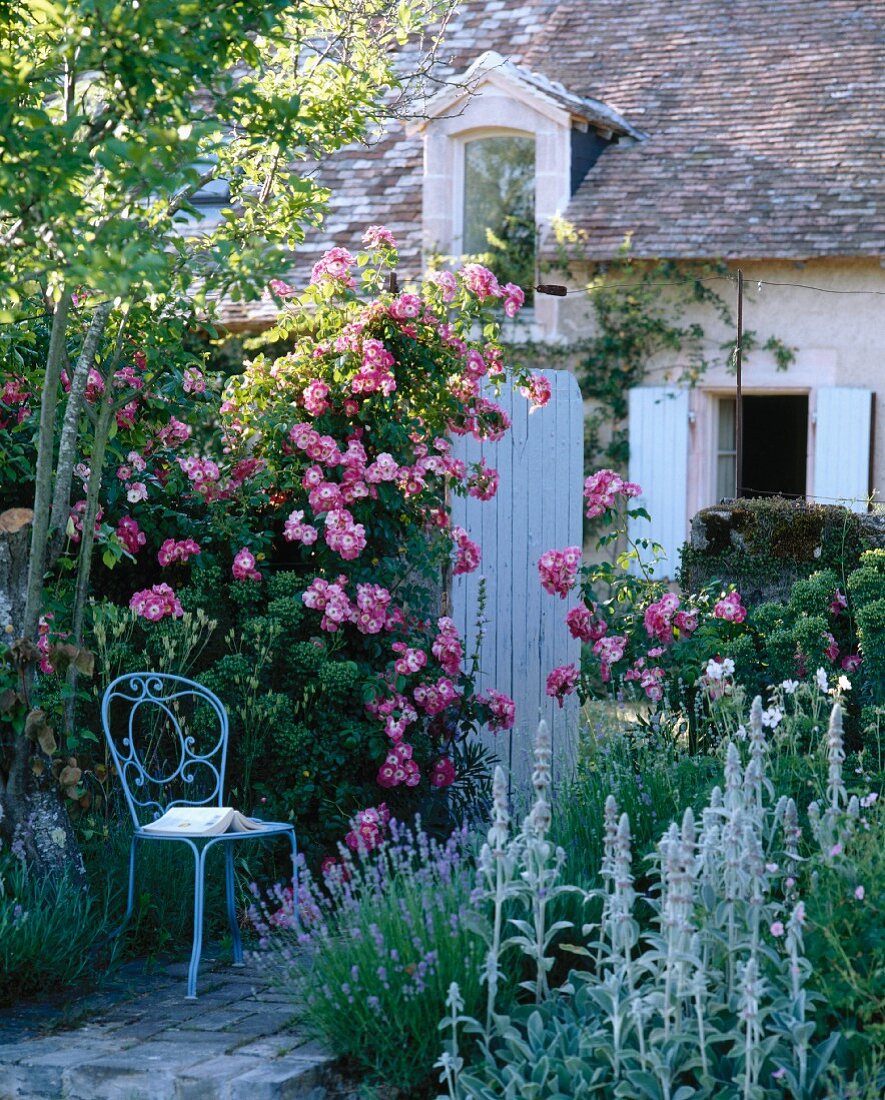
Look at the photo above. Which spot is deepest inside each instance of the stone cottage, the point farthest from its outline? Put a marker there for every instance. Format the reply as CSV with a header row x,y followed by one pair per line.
x,y
746,131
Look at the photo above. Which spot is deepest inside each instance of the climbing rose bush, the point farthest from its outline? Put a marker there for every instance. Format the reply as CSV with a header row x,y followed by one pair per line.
x,y
334,461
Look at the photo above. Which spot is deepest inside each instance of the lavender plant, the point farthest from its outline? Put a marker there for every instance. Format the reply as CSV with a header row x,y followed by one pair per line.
x,y
383,937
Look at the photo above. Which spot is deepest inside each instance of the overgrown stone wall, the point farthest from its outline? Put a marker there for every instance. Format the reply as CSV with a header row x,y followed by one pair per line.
x,y
764,546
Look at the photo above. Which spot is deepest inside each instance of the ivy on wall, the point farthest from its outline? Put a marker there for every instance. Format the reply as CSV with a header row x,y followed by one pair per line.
x,y
643,310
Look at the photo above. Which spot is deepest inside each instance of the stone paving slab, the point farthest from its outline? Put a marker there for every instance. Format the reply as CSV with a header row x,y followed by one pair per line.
x,y
140,1040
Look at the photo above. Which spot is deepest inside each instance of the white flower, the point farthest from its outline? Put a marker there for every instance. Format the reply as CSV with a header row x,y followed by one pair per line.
x,y
772,717
728,666
822,681
741,733
714,669
790,686
842,684
136,491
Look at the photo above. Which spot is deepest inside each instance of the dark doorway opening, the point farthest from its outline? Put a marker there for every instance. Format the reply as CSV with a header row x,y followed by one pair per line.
x,y
775,445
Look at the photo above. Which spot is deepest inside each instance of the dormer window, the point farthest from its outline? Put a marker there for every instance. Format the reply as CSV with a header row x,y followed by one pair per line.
x,y
498,220
504,151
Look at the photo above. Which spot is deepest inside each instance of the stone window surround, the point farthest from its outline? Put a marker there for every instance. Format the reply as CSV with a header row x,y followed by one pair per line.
x,y
497,107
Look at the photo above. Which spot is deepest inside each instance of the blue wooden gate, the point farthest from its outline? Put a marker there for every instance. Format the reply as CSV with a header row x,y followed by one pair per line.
x,y
537,508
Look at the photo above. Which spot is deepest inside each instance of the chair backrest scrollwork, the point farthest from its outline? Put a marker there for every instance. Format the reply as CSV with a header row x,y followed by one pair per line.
x,y
168,738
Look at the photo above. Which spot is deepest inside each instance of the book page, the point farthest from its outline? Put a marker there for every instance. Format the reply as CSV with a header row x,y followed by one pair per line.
x,y
193,821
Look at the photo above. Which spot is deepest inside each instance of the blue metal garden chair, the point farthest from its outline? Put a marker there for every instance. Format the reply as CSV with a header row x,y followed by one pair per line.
x,y
173,753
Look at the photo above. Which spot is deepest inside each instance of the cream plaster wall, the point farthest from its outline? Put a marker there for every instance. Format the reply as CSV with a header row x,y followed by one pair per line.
x,y
839,340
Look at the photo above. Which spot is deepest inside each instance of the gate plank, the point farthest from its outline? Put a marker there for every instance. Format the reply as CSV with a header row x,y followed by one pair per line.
x,y
537,507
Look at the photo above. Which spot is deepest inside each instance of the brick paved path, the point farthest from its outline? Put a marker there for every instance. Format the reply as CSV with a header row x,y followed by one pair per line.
x,y
140,1040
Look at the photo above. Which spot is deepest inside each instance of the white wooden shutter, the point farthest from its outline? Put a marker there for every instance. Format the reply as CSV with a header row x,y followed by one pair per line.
x,y
842,442
659,463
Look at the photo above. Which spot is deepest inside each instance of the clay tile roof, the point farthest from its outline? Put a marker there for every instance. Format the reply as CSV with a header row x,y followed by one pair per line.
x,y
761,121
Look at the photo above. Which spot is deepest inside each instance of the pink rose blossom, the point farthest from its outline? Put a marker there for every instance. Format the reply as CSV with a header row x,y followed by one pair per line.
x,y
659,616
172,551
447,647
130,534
281,289
296,530
173,433
409,661
562,681
367,829
77,512
859,893
193,381
777,928
443,774
609,650
503,710
379,236
483,483
156,603
446,282
467,555
314,397
601,490
244,564
334,267
136,491
558,570
480,281
514,300
406,307
538,392
686,622
730,608
435,697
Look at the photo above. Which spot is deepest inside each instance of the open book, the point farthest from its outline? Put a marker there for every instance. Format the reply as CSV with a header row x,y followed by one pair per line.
x,y
202,821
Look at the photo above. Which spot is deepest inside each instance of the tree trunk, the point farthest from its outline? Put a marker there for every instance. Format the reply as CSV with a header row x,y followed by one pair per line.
x,y
87,542
15,539
45,455
67,447
28,813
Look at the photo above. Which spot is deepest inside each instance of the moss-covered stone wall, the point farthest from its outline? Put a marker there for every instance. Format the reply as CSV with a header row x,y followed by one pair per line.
x,y
763,546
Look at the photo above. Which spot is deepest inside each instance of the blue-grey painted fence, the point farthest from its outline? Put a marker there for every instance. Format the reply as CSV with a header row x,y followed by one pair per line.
x,y
537,507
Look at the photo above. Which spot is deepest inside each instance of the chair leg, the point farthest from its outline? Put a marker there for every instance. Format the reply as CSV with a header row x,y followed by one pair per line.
x,y
231,905
294,878
130,896
197,949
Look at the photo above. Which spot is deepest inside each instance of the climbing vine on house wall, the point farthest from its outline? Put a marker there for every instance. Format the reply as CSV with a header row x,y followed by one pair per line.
x,y
642,310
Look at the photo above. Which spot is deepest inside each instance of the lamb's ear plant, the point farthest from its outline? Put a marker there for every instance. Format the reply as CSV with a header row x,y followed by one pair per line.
x,y
709,1001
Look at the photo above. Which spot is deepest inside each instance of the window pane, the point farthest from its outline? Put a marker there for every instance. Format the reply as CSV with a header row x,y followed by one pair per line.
x,y
727,418
499,206
726,466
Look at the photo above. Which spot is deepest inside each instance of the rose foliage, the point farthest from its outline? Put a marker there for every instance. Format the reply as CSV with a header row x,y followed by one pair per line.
x,y
327,470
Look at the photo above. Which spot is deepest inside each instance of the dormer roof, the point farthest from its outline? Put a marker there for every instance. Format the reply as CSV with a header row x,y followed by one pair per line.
x,y
492,69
